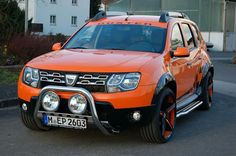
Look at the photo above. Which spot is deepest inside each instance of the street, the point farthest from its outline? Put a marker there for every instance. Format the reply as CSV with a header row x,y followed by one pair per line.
x,y
210,133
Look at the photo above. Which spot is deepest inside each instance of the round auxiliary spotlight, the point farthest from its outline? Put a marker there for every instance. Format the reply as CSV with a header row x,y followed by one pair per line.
x,y
77,104
50,101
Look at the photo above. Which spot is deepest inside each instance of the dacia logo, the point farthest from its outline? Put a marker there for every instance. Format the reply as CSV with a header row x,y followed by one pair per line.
x,y
71,79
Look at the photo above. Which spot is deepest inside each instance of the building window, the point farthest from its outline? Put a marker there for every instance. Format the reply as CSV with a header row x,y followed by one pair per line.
x,y
53,1
52,20
74,21
74,2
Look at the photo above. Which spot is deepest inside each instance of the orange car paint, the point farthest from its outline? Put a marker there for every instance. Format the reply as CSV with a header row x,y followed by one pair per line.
x,y
151,66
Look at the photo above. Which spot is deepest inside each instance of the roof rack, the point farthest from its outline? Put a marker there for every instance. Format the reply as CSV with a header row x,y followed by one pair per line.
x,y
165,16
103,14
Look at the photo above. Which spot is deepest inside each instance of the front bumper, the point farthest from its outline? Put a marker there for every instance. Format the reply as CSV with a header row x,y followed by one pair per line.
x,y
108,119
140,97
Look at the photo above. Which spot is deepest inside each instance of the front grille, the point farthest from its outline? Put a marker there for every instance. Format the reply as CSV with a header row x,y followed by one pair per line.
x,y
93,82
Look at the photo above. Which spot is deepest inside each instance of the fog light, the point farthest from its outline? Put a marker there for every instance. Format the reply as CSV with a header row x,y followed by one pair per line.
x,y
136,116
50,101
24,106
77,104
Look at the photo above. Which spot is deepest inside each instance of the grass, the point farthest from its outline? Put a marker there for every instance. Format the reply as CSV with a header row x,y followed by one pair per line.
x,y
8,77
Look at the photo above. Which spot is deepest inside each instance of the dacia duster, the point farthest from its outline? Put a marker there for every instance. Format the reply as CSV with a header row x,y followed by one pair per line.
x,y
118,71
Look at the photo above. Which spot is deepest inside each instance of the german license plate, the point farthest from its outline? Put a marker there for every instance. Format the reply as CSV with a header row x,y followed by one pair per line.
x,y
66,122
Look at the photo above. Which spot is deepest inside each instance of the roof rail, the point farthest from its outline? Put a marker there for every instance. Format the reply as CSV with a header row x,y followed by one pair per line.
x,y
100,15
103,14
165,16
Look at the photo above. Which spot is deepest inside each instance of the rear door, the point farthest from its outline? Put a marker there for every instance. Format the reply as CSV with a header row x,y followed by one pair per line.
x,y
194,47
194,59
198,57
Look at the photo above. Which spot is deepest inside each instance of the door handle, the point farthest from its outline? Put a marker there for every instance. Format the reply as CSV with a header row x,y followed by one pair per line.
x,y
200,58
189,64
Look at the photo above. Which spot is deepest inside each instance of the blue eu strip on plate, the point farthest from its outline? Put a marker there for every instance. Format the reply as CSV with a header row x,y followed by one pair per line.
x,y
45,119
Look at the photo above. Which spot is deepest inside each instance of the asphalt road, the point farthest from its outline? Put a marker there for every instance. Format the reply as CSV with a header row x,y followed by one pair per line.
x,y
205,133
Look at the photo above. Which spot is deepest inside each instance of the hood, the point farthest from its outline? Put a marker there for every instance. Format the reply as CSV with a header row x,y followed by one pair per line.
x,y
92,60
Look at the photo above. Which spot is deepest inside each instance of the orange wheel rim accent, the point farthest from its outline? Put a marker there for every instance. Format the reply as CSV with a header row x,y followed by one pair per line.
x,y
167,118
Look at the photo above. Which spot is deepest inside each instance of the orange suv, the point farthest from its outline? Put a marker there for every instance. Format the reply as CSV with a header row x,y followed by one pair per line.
x,y
119,71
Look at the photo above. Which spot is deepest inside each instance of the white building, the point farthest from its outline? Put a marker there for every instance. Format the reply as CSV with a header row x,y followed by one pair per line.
x,y
58,16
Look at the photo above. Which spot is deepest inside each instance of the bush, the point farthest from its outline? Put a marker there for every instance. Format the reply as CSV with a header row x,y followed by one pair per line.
x,y
25,48
22,48
59,38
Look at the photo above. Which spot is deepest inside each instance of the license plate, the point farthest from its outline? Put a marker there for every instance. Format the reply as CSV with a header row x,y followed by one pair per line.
x,y
66,122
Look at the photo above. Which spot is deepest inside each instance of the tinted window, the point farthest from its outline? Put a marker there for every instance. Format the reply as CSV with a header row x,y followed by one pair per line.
x,y
197,33
189,36
176,38
120,37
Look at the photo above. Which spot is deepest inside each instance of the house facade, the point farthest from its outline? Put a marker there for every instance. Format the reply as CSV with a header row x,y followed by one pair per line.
x,y
57,16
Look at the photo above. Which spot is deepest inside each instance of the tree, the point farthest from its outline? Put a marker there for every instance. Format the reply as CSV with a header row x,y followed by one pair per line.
x,y
94,7
11,20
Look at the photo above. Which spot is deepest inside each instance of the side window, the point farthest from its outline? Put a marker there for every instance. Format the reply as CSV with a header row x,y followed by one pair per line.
x,y
196,31
176,38
189,36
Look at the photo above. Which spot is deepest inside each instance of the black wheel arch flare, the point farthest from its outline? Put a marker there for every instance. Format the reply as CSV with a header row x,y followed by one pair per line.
x,y
207,67
166,80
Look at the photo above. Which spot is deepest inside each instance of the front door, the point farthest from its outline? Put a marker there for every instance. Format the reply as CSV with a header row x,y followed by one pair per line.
x,y
179,66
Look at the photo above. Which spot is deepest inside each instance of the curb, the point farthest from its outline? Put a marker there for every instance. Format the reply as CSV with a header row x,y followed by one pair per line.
x,y
8,102
221,59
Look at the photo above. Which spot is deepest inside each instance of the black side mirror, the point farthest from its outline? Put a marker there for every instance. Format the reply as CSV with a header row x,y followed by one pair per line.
x,y
209,45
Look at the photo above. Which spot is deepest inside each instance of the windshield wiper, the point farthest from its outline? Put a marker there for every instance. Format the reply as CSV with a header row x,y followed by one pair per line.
x,y
77,48
116,49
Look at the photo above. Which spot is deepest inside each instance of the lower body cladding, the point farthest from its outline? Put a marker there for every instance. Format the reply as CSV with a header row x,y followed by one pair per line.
x,y
101,114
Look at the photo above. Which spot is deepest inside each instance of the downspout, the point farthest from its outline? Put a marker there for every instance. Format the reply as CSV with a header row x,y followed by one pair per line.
x,y
130,6
225,24
210,26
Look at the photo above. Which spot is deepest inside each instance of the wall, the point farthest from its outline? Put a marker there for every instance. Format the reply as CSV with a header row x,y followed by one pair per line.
x,y
208,14
230,31
217,38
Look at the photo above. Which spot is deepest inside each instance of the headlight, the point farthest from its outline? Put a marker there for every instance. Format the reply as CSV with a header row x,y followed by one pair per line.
x,y
50,101
123,82
77,104
31,76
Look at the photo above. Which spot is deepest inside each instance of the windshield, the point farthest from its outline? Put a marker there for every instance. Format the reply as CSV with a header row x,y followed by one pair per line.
x,y
119,37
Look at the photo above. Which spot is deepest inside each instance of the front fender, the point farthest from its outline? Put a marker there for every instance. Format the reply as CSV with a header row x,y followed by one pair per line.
x,y
207,67
166,80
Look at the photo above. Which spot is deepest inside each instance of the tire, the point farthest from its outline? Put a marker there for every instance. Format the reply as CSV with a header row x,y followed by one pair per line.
x,y
207,92
28,120
161,127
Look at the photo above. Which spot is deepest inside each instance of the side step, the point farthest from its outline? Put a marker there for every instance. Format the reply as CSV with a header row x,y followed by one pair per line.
x,y
188,108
